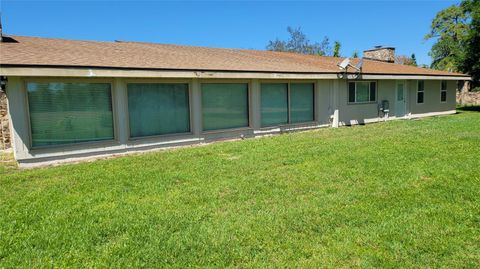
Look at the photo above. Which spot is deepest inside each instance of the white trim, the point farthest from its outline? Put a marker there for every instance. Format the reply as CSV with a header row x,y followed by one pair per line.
x,y
410,116
56,159
415,77
288,128
126,73
429,114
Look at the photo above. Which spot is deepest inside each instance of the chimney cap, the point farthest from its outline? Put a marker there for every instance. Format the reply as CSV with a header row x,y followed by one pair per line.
x,y
380,47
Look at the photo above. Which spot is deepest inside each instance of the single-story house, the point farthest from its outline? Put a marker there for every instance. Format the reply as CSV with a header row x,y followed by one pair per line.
x,y
73,99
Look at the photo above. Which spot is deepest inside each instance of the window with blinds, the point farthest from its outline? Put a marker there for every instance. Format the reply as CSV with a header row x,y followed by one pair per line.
x,y
65,113
158,109
224,106
283,103
274,104
301,102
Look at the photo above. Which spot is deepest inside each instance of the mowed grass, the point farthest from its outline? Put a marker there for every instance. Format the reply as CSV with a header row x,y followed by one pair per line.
x,y
394,194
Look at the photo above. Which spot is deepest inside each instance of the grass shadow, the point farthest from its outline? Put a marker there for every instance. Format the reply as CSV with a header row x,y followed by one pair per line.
x,y
469,108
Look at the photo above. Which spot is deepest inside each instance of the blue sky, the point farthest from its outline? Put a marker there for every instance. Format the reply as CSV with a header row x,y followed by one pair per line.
x,y
358,25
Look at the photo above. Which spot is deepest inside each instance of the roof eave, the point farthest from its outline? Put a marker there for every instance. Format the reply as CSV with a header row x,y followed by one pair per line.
x,y
88,71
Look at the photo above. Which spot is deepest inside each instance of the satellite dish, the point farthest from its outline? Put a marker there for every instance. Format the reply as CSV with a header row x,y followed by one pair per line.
x,y
359,65
343,65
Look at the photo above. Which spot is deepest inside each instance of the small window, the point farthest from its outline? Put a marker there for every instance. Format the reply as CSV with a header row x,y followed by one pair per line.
x,y
362,92
443,92
420,92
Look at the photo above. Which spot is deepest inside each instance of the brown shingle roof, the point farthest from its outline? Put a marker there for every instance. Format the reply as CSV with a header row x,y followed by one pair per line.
x,y
35,51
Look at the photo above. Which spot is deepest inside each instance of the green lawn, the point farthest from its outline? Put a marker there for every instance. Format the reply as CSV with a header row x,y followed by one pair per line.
x,y
394,194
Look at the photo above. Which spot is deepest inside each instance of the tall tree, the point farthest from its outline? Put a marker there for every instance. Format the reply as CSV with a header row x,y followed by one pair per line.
x,y
471,61
414,60
299,43
336,49
355,54
450,29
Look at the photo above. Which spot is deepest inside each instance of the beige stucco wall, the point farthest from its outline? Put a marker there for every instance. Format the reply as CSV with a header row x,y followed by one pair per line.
x,y
432,97
330,96
365,113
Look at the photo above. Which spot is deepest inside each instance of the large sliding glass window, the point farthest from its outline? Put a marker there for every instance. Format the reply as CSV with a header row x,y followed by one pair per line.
x,y
283,103
274,104
158,109
65,113
224,105
301,102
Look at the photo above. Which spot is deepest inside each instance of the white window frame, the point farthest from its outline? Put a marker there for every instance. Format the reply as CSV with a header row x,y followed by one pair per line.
x,y
442,90
420,91
369,91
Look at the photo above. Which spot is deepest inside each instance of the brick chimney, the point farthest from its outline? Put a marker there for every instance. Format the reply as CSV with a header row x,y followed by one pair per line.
x,y
380,53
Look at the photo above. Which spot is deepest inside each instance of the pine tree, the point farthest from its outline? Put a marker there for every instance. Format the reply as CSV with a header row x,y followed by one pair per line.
x,y
413,60
336,49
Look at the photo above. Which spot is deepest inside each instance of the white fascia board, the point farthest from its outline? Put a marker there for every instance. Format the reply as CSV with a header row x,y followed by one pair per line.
x,y
133,73
413,77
